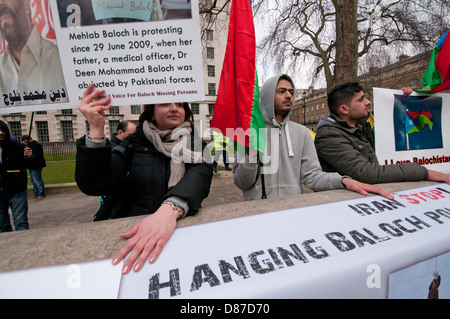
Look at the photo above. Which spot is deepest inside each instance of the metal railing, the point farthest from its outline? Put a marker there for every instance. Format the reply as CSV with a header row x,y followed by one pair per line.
x,y
59,151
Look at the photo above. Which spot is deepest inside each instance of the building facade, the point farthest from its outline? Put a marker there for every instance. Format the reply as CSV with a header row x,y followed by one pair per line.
x,y
310,105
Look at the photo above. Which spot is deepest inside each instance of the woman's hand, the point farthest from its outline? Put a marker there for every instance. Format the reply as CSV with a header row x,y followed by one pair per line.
x,y
147,238
94,111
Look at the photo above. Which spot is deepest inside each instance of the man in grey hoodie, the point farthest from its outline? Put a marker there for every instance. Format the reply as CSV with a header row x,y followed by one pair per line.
x,y
290,158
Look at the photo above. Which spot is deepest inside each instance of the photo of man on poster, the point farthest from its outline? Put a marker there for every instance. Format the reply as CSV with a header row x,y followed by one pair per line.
x,y
30,67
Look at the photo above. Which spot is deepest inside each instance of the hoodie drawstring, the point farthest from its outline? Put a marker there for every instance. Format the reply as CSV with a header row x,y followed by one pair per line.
x,y
288,135
288,140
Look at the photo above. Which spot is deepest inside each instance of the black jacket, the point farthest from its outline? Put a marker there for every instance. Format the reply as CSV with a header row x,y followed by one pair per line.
x,y
38,155
13,167
114,140
136,176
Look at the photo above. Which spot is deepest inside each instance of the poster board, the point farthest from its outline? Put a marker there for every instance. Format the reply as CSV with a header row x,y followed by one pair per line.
x,y
412,129
139,51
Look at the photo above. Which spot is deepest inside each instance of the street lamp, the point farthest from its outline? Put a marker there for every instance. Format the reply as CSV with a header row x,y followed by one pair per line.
x,y
304,105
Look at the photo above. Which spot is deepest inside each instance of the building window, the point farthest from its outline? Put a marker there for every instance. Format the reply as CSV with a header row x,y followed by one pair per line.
x,y
208,17
323,105
211,70
195,107
135,109
114,109
42,131
16,129
113,126
212,88
414,84
209,35
67,131
41,112
66,111
210,53
211,109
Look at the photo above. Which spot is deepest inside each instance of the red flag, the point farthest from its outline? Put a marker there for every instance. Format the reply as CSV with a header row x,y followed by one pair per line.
x,y
417,114
237,104
437,75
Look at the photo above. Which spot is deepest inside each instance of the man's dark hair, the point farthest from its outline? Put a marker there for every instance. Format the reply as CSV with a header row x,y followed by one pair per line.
x,y
287,78
123,125
342,94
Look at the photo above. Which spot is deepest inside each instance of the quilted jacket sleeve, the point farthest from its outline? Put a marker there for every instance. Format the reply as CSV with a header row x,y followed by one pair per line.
x,y
343,153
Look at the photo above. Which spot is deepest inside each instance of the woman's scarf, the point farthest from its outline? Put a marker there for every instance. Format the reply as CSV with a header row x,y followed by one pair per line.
x,y
173,144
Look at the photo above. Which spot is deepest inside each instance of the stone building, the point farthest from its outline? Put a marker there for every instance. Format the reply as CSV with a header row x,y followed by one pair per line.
x,y
311,104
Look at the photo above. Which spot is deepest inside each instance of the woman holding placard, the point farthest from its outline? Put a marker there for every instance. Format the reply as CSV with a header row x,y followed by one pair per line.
x,y
158,170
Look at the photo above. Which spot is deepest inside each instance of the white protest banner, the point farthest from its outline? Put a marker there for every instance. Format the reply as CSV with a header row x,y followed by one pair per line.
x,y
412,129
138,51
90,280
369,247
344,249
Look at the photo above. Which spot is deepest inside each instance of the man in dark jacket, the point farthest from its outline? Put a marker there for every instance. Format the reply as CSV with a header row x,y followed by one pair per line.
x,y
35,170
15,159
345,142
124,129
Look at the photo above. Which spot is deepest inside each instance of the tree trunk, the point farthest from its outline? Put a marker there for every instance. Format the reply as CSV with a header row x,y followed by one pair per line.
x,y
346,42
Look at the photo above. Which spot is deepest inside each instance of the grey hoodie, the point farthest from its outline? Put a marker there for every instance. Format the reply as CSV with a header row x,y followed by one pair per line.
x,y
289,161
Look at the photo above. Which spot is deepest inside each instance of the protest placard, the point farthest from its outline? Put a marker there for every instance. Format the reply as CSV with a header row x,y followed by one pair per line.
x,y
140,52
412,129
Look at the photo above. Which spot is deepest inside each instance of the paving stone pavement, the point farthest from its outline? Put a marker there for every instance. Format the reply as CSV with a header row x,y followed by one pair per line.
x,y
65,204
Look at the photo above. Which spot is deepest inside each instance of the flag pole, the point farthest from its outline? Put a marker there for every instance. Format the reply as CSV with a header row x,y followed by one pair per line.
x,y
407,141
407,136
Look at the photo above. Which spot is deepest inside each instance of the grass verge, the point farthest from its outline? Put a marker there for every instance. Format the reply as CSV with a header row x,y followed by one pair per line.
x,y
58,172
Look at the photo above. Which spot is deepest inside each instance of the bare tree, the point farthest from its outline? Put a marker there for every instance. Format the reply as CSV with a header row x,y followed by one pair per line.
x,y
336,33
346,69
212,12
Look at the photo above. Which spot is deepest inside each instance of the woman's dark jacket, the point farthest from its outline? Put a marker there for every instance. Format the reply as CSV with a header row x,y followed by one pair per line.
x,y
136,176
